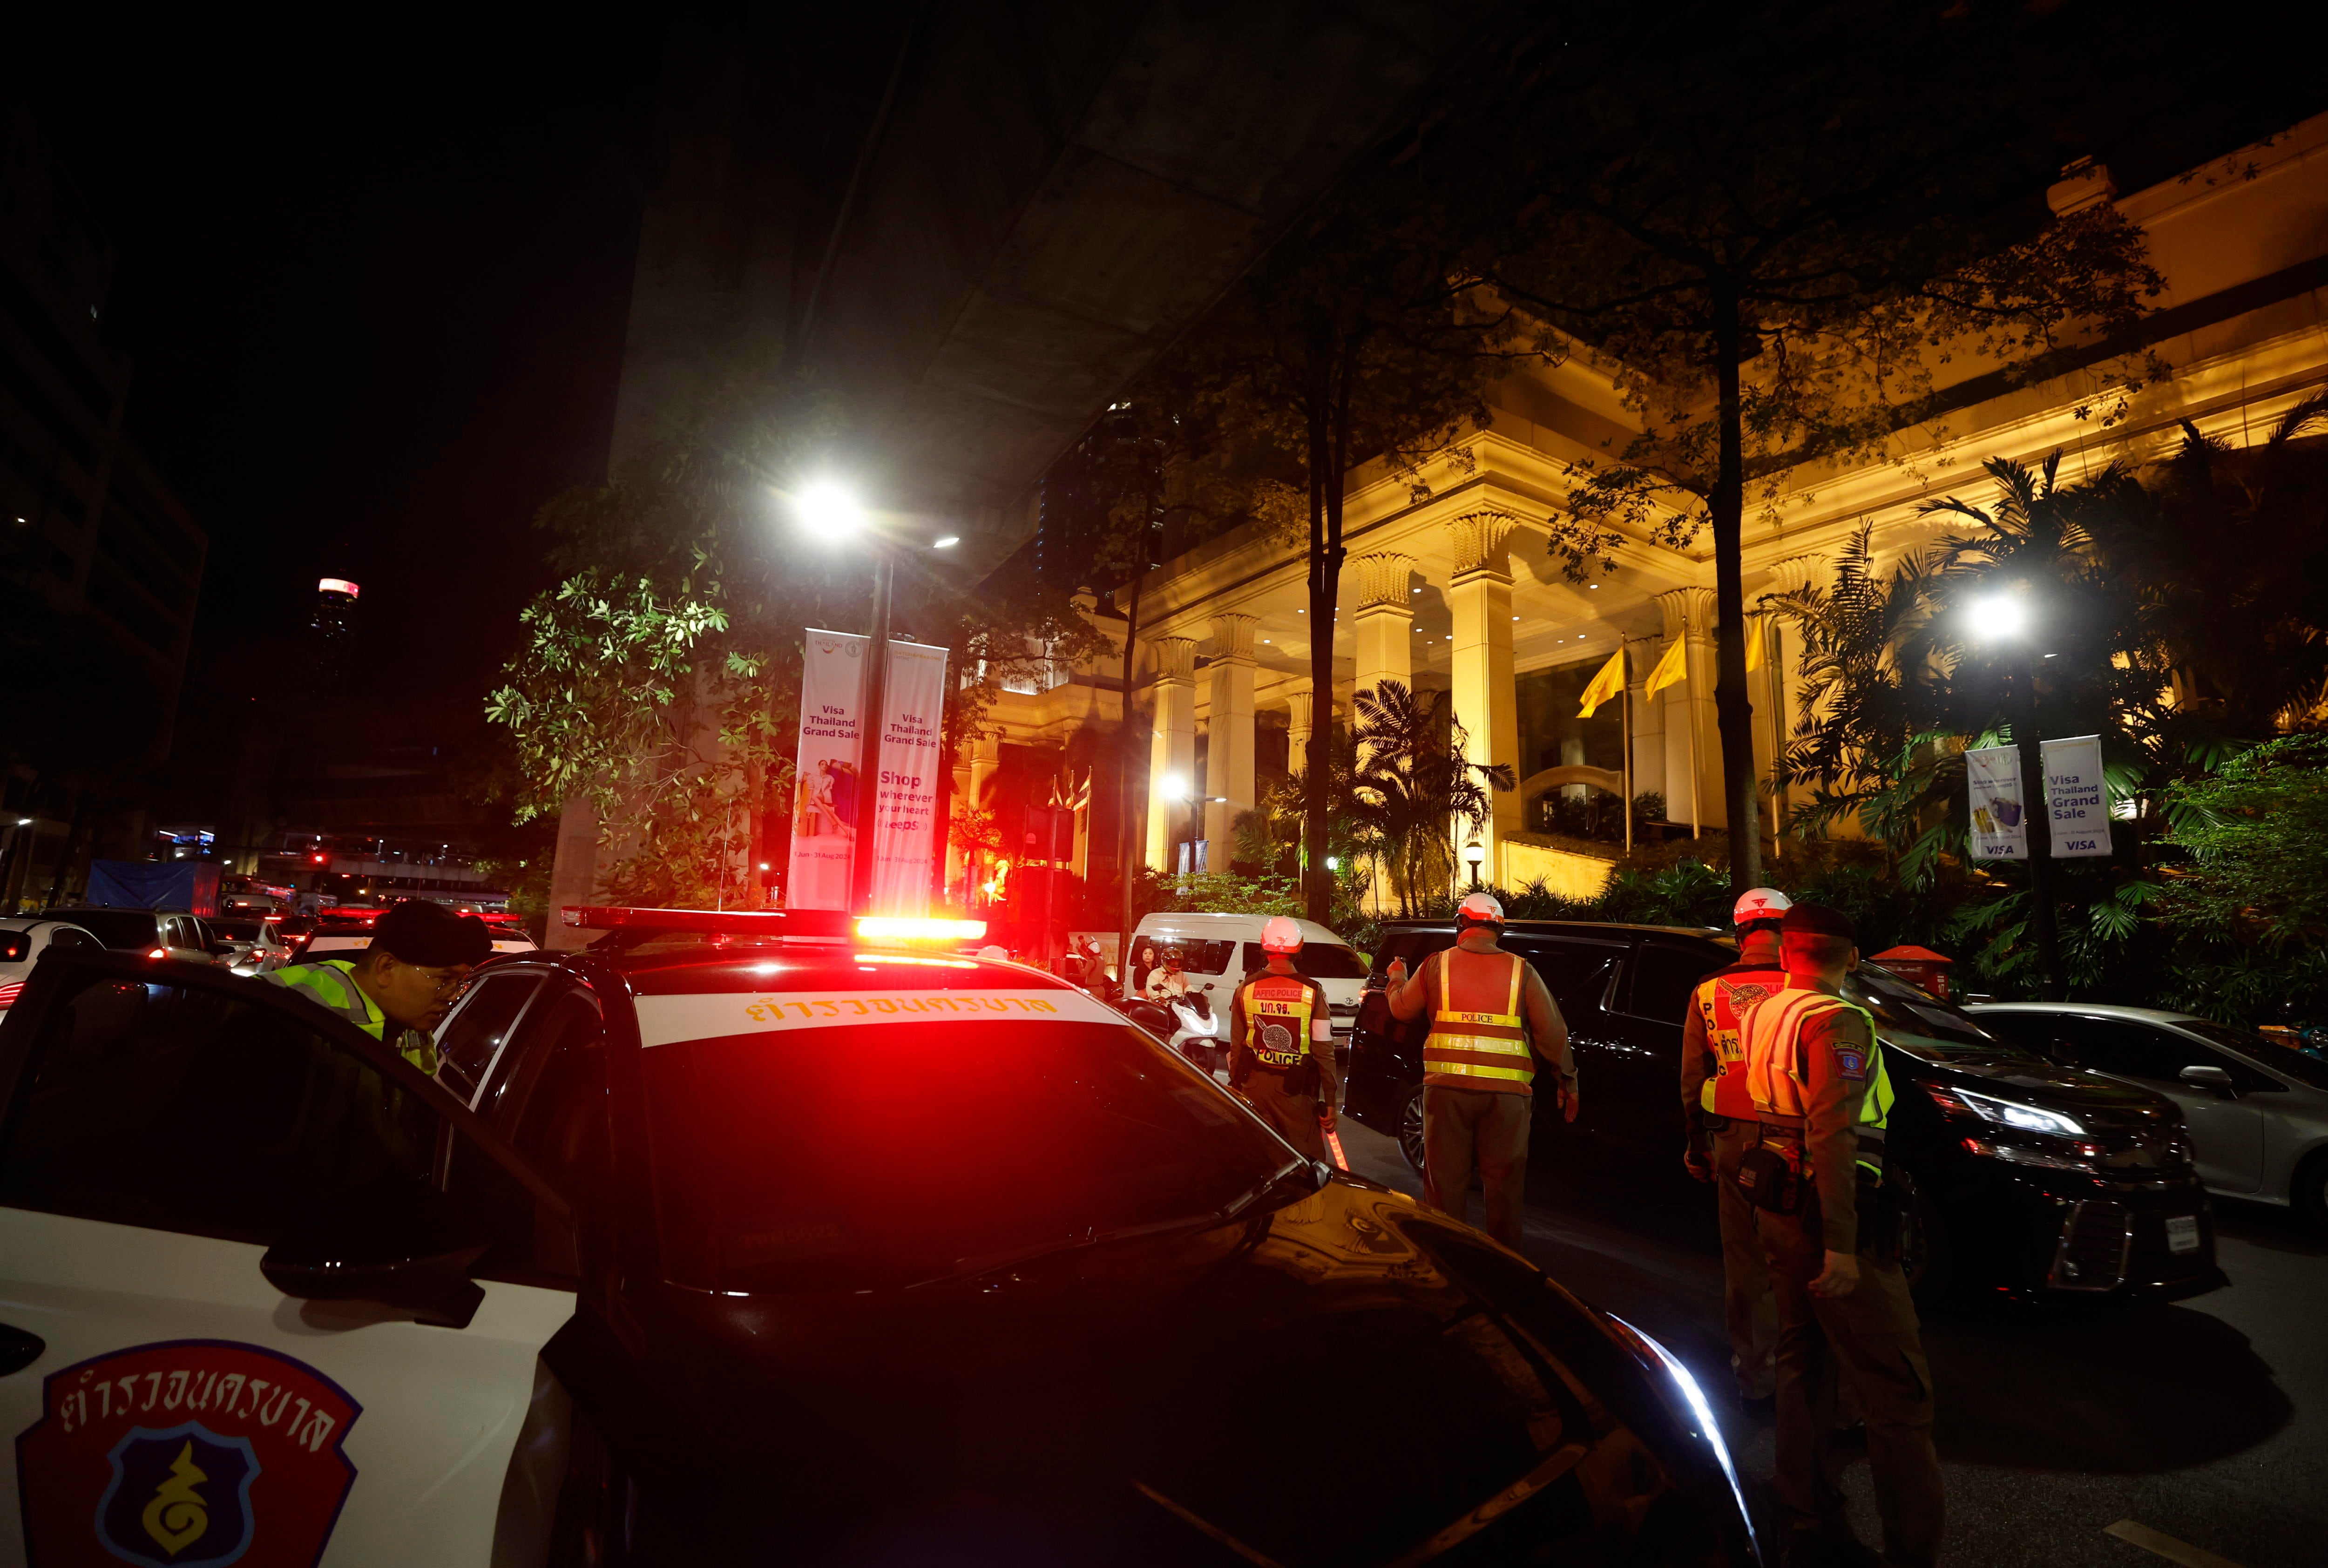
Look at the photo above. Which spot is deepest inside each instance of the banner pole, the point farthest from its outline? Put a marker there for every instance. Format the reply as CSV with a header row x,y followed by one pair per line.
x,y
871,721
1625,760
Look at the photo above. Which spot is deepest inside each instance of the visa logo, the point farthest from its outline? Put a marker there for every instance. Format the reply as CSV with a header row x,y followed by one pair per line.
x,y
2080,844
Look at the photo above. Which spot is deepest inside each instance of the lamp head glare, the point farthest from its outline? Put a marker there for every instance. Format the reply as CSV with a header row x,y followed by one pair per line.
x,y
829,509
1996,618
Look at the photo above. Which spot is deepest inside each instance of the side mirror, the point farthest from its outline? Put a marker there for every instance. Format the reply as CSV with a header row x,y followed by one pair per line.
x,y
2215,1078
397,1256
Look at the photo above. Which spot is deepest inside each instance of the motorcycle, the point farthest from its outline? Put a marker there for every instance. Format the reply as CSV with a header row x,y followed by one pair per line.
x,y
1188,1024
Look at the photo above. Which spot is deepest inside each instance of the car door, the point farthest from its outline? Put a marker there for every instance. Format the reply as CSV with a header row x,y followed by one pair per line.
x,y
1652,1000
164,1402
475,1032
1578,974
2227,1131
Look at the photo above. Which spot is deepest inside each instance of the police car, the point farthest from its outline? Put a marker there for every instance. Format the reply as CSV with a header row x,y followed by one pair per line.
x,y
742,1237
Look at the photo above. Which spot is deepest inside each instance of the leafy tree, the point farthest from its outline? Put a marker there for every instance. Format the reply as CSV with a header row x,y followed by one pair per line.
x,y
1791,267
661,680
1363,337
2256,832
1413,783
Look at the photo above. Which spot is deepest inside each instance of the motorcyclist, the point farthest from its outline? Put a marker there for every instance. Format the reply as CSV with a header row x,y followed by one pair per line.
x,y
1169,983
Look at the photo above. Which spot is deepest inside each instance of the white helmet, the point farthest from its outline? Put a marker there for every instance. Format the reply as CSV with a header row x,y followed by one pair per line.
x,y
1280,933
1759,904
1479,910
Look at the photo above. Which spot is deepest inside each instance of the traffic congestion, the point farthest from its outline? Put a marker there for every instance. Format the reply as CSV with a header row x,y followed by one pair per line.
x,y
440,1253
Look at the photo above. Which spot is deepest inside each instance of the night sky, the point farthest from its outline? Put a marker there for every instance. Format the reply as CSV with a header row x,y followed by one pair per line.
x,y
374,285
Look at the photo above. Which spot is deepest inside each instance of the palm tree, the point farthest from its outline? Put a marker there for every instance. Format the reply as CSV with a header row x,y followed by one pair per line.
x,y
1413,784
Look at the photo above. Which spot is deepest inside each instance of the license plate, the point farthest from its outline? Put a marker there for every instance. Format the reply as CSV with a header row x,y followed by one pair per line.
x,y
2182,1233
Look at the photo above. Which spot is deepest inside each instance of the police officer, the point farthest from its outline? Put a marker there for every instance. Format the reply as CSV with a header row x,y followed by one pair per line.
x,y
1821,1101
420,954
1282,1041
1718,1115
1491,1018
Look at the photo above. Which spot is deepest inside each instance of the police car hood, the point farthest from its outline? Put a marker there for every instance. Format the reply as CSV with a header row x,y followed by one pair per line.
x,y
1186,1398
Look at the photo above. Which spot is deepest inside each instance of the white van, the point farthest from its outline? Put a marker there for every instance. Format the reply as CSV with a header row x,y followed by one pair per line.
x,y
1218,951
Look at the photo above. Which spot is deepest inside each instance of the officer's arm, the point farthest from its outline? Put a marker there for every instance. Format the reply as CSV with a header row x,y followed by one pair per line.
x,y
1694,1071
1835,1046
1321,1051
1410,996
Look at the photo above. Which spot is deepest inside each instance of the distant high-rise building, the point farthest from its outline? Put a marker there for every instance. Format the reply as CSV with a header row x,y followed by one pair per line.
x,y
333,627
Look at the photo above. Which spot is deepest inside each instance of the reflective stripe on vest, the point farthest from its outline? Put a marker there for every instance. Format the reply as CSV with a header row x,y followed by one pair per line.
x,y
332,985
1721,1001
1278,1009
1478,1046
1773,1068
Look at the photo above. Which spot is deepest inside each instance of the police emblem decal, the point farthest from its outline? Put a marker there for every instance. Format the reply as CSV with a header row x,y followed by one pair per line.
x,y
1276,1038
179,1498
194,1453
1742,994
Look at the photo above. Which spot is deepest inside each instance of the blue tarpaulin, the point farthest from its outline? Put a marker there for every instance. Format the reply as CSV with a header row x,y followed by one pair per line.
x,y
190,884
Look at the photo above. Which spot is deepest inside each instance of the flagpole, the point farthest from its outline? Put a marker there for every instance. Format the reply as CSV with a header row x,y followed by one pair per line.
x,y
1625,760
1689,691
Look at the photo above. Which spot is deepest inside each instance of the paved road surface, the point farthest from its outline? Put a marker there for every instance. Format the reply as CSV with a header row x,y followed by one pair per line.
x,y
2204,1420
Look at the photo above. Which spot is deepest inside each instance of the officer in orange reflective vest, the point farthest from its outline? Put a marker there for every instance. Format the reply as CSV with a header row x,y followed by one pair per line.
x,y
1281,1042
1491,1018
1820,1095
1718,1115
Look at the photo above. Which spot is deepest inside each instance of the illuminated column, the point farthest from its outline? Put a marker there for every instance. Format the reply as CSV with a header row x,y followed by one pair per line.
x,y
1487,704
1792,576
1228,745
1382,633
1693,742
1172,747
1296,732
1649,737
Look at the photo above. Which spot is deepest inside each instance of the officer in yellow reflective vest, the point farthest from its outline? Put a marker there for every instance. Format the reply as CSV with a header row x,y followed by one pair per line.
x,y
420,952
1282,1044
1718,1115
1491,1018
1821,1097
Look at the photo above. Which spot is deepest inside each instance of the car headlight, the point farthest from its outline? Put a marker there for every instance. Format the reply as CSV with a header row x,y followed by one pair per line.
x,y
2018,1113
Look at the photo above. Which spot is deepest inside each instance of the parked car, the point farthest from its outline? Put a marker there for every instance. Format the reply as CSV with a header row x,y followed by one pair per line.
x,y
2018,1173
2258,1112
1218,951
171,934
338,933
574,1302
23,939
257,942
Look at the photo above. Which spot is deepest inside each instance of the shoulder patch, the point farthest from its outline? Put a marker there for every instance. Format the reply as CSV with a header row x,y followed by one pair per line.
x,y
1851,1063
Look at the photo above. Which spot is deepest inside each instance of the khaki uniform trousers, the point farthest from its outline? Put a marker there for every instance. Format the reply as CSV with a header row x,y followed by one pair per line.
x,y
1872,1335
1293,1117
1748,1310
1476,1130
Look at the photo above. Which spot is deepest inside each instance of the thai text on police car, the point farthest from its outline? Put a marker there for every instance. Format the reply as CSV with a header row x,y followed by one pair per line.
x,y
194,1390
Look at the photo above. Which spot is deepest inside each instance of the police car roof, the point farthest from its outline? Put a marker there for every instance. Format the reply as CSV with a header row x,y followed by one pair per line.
x,y
681,966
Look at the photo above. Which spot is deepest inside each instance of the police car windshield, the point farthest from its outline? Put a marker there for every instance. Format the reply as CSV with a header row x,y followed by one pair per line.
x,y
1912,1019
875,1154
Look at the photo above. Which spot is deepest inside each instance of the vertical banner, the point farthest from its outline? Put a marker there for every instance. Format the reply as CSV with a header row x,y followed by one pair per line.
x,y
2000,829
825,791
905,824
2077,798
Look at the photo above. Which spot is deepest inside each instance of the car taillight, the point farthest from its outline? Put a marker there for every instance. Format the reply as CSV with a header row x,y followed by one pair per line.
x,y
10,992
158,953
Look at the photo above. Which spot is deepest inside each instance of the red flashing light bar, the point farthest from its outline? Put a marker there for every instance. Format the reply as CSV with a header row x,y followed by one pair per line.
x,y
816,923
336,586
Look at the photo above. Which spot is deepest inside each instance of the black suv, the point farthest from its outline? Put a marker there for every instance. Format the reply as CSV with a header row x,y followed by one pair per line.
x,y
2020,1175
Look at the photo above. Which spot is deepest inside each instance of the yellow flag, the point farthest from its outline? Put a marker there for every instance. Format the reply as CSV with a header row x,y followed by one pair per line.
x,y
1606,686
1671,671
1755,632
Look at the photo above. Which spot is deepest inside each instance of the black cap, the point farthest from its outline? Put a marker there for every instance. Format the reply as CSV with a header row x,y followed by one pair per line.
x,y
431,936
1818,920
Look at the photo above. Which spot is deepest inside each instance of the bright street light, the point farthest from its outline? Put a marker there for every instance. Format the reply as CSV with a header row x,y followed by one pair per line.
x,y
829,509
1995,618
1175,788
948,542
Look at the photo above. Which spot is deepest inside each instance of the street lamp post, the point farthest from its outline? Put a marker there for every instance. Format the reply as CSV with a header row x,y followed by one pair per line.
x,y
2003,618
1474,853
834,514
